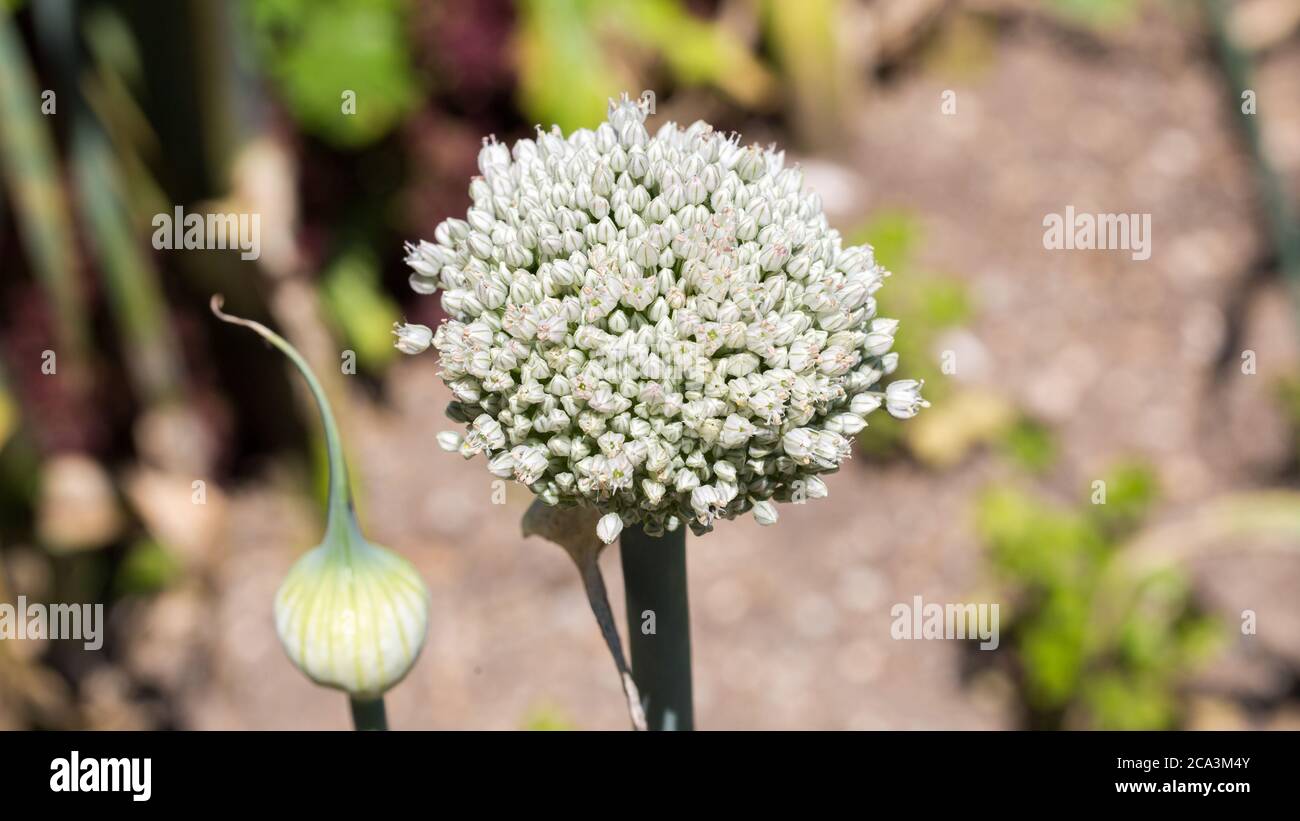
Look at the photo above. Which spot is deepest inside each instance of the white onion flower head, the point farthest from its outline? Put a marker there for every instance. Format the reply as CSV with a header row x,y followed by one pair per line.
x,y
663,326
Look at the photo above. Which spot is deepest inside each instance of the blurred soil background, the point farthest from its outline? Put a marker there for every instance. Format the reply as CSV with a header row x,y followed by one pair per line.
x,y
170,467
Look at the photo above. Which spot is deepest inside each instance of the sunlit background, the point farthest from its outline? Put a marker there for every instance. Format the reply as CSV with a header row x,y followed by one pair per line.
x,y
171,468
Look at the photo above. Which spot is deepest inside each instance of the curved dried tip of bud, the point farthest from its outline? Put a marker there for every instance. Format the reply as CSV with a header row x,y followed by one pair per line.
x,y
350,614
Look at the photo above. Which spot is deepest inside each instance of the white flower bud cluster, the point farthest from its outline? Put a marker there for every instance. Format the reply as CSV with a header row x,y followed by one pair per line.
x,y
664,327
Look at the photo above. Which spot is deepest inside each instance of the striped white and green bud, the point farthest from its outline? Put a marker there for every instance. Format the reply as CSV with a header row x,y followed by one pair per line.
x,y
353,616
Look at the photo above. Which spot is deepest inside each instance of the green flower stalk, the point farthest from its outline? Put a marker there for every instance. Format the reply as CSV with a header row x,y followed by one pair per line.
x,y
351,615
654,587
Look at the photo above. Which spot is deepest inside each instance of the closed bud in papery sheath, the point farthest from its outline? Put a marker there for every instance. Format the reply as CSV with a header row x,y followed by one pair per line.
x,y
351,615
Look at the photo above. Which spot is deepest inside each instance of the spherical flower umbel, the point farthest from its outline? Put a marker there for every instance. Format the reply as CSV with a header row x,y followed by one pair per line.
x,y
663,327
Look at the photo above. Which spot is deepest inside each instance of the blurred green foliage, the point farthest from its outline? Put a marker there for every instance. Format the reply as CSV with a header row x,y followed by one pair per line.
x,y
1097,13
1130,492
894,233
1288,396
1095,645
565,77
548,718
316,50
8,413
576,54
805,42
358,306
30,170
1030,445
963,49
148,568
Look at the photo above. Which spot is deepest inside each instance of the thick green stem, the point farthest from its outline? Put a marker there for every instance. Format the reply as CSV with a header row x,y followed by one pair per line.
x,y
369,715
659,625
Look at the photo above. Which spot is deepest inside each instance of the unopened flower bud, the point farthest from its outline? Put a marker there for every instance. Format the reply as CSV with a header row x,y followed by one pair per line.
x,y
350,614
608,528
903,398
353,616
411,338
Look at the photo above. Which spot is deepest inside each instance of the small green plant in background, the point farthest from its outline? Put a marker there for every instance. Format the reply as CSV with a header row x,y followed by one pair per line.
x,y
1094,643
1030,445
